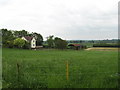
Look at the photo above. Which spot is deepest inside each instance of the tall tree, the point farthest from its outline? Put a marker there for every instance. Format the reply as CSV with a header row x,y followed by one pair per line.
x,y
59,43
39,38
7,36
56,42
20,34
50,41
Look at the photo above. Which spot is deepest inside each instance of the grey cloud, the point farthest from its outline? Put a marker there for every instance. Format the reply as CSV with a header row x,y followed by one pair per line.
x,y
69,19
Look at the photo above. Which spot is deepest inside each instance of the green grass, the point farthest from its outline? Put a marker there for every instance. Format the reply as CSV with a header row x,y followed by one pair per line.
x,y
47,69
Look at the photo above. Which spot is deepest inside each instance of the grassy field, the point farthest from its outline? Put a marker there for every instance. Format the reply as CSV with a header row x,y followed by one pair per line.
x,y
47,69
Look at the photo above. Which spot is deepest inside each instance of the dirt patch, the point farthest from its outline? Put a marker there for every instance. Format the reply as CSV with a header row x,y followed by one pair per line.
x,y
103,49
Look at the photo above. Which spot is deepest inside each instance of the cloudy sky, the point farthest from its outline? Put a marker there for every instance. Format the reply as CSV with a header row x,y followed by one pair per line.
x,y
68,19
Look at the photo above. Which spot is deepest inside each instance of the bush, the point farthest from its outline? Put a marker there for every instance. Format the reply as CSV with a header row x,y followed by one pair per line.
x,y
45,46
19,43
9,44
27,45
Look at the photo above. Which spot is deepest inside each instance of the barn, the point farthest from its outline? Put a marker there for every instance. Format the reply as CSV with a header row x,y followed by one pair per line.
x,y
76,46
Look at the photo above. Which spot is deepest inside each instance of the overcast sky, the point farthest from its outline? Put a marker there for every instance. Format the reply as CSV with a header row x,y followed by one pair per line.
x,y
68,19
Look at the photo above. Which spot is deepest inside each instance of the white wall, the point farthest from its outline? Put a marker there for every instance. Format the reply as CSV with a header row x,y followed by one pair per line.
x,y
33,43
24,38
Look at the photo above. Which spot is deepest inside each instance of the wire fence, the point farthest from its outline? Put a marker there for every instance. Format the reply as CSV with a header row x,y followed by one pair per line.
x,y
67,70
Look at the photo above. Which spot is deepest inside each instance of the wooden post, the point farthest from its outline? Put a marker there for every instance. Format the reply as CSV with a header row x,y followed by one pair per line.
x,y
67,71
18,71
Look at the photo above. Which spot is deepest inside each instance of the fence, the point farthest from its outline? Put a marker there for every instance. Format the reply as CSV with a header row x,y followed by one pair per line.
x,y
66,71
65,75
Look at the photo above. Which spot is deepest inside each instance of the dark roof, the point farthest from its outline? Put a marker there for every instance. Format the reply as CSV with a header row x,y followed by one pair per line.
x,y
28,38
74,45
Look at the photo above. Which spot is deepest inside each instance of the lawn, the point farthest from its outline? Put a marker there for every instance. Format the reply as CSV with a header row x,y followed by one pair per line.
x,y
47,69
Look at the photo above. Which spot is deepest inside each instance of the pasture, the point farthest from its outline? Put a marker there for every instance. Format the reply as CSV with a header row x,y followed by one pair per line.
x,y
47,69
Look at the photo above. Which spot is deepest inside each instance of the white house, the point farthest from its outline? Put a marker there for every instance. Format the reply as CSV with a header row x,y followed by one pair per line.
x,y
31,40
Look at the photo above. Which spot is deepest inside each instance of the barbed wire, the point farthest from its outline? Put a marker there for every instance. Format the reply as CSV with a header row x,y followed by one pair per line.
x,y
75,73
71,66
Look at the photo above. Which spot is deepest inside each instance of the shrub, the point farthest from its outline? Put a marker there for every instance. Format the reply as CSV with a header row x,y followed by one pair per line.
x,y
9,44
26,45
19,43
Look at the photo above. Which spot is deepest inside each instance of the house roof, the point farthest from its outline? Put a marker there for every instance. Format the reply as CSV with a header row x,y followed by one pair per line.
x,y
28,38
74,45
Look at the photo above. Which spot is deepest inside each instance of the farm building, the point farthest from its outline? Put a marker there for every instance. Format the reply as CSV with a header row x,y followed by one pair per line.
x,y
76,46
31,40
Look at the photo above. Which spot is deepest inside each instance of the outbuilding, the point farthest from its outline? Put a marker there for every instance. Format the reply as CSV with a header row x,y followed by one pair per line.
x,y
76,46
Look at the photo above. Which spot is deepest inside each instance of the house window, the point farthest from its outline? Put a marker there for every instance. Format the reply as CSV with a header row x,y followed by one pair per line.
x,y
33,45
33,41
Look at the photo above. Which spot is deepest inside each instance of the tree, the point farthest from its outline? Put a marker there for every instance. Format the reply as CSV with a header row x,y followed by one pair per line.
x,y
50,41
59,43
20,34
7,37
56,42
39,38
19,43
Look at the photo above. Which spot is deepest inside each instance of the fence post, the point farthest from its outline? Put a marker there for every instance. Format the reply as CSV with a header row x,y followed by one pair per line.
x,y
18,72
67,71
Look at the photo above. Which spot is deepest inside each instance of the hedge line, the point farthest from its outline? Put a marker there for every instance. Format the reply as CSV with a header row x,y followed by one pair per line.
x,y
106,45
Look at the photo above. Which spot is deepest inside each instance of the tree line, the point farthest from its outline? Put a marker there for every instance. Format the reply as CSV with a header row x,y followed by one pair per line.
x,y
12,39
